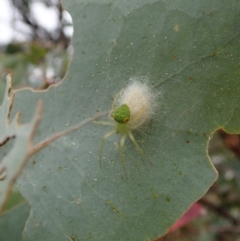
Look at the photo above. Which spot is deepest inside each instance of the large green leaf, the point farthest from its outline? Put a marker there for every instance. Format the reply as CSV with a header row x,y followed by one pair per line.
x,y
189,51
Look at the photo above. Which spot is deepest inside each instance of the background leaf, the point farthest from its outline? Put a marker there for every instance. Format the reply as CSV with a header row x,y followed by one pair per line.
x,y
8,228
15,155
189,51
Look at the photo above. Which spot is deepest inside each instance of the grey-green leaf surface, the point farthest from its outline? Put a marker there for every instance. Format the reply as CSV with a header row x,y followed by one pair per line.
x,y
189,51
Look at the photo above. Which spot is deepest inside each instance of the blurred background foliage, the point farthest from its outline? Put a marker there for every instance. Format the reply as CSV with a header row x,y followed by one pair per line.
x,y
37,57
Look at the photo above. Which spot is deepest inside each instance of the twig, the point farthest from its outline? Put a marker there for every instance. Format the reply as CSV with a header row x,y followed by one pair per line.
x,y
219,210
46,142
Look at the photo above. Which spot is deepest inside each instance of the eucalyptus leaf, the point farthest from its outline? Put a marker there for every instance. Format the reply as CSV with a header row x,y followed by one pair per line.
x,y
189,52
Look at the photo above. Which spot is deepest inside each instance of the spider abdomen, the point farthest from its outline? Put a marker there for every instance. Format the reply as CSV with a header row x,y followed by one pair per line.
x,y
141,101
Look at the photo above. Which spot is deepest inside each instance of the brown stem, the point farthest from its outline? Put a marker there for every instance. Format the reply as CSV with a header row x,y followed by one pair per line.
x,y
52,138
219,210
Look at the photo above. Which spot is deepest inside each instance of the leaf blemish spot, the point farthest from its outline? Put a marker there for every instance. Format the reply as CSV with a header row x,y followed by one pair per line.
x,y
176,28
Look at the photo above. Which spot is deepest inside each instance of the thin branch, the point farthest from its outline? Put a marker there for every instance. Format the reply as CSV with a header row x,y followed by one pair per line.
x,y
54,137
219,210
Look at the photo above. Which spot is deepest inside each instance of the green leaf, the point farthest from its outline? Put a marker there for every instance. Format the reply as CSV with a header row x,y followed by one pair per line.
x,y
12,223
189,51
14,199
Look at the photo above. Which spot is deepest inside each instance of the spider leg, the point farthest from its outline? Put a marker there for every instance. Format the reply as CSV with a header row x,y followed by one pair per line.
x,y
137,146
121,145
103,142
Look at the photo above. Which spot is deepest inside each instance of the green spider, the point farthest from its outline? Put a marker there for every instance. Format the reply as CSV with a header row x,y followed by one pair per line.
x,y
132,107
